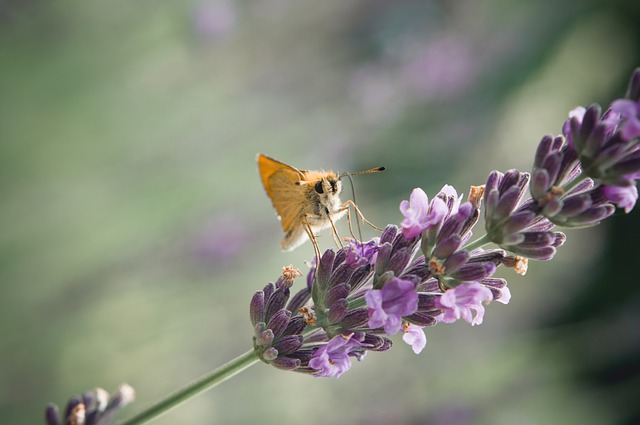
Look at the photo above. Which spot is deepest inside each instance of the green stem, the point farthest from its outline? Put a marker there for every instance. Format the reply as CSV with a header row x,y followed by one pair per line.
x,y
210,380
357,303
477,243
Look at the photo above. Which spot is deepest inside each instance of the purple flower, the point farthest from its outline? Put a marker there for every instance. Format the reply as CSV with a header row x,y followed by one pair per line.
x,y
94,407
505,295
386,306
277,331
600,140
610,120
623,197
215,19
577,114
449,194
445,67
555,169
630,113
633,91
419,214
458,303
415,337
359,254
332,359
514,225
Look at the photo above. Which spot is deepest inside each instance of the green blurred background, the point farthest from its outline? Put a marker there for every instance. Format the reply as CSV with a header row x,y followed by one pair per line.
x,y
135,229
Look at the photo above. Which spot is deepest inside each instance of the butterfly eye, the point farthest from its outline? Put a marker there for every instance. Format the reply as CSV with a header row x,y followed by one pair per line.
x,y
318,187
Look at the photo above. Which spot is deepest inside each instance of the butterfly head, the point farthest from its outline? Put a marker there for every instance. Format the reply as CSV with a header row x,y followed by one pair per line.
x,y
329,185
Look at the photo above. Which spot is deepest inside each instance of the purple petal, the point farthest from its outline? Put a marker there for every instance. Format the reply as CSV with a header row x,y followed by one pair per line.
x,y
286,363
386,306
505,296
415,337
279,322
453,201
623,197
332,359
575,115
256,308
288,344
415,212
459,302
630,112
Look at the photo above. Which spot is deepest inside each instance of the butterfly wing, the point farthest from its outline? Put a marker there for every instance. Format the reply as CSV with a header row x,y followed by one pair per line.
x,y
279,181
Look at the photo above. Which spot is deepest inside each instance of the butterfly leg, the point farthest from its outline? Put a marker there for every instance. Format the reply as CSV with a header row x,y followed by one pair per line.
x,y
307,228
350,226
336,236
350,203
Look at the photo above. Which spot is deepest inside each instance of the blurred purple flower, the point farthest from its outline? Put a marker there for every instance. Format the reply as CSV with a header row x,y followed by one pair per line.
x,y
94,407
445,67
630,113
623,197
376,91
221,240
214,19
420,214
332,359
415,337
576,113
386,306
459,302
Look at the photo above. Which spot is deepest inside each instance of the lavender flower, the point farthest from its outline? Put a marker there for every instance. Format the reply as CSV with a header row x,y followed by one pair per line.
x,y
359,254
459,302
277,333
623,197
394,259
443,244
633,91
505,295
578,114
454,226
415,337
515,226
605,154
608,148
420,214
629,112
94,407
290,333
388,305
332,359
558,196
394,254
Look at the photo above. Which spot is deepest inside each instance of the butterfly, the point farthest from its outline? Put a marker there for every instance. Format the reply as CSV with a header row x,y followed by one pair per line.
x,y
305,201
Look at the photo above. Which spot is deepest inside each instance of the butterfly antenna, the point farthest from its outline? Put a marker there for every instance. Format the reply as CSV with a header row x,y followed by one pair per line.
x,y
371,170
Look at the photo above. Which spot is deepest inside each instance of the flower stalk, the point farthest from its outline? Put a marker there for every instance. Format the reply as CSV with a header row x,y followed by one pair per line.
x,y
196,387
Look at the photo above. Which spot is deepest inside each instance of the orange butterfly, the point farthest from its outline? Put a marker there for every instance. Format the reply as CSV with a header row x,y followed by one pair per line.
x,y
306,201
